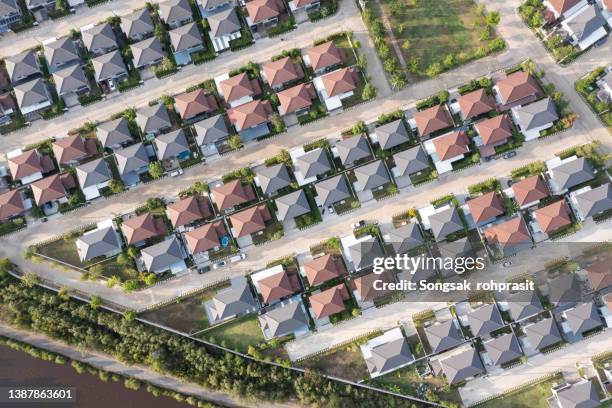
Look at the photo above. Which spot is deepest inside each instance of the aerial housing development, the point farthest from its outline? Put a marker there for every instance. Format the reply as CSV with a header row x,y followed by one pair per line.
x,y
308,202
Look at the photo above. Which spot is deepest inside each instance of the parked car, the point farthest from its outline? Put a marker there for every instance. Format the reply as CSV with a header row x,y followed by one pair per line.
x,y
238,257
510,154
219,264
359,224
330,209
204,269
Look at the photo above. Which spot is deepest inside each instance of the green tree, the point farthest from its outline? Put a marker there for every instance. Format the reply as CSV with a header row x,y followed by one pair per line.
x,y
64,293
434,69
95,302
115,186
113,281
362,62
359,128
150,279
130,285
449,61
36,212
132,252
30,279
406,45
493,18
234,142
156,170
390,65
96,271
277,123
369,92
398,80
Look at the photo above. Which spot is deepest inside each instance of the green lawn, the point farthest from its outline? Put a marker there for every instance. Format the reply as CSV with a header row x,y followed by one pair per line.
x,y
534,397
238,334
63,250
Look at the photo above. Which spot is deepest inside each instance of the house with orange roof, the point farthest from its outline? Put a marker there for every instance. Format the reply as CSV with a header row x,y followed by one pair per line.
x,y
485,208
326,303
431,120
262,14
11,205
275,284
600,273
529,191
248,222
322,269
518,88
473,104
232,194
446,149
606,10
552,217
564,8
187,211
324,57
194,104
491,133
336,86
297,99
72,149
140,228
509,236
26,167
282,72
48,193
370,287
307,5
238,89
205,238
251,119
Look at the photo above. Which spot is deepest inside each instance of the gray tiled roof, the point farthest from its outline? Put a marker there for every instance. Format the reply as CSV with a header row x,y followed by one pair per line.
x,y
99,37
223,23
153,118
536,114
108,65
484,320
583,318
595,201
445,222
137,23
147,51
388,356
114,132
524,304
443,336
406,237
372,175
314,163
352,149
463,365
579,395
92,173
572,173
585,23
22,65
332,190
171,144
174,10
211,129
285,319
61,51
292,205
31,93
234,301
392,134
364,252
543,333
503,349
273,178
131,158
161,256
411,161
185,37
70,79
8,7
209,4
564,288
97,243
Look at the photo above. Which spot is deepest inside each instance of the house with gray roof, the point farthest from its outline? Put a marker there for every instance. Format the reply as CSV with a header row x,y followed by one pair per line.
x,y
292,205
224,27
114,134
228,303
137,25
109,67
103,242
93,176
564,289
313,163
445,222
71,80
363,252
175,13
409,162
371,176
352,149
22,67
570,173
332,190
585,27
213,7
153,120
582,394
405,238
209,132
502,349
132,161
164,256
390,134
484,320
272,178
579,320
185,40
462,366
542,334
36,5
522,305
99,39
533,118
32,96
593,201
283,320
386,353
172,145
147,53
443,336
10,14
61,53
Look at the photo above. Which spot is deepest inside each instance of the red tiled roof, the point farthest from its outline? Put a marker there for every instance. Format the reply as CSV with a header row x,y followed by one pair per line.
x,y
300,3
325,55
486,206
250,114
561,6
231,194
340,81
324,268
495,130
251,220
529,190
188,210
297,97
511,232
10,204
607,4
365,285
433,119
452,145
329,302
283,70
475,103
517,86
25,165
69,149
6,103
600,273
205,237
275,286
142,227
48,189
239,86
190,104
553,216
260,10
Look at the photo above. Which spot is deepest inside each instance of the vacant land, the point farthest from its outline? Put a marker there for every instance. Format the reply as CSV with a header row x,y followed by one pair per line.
x,y
347,363
535,394
64,250
237,334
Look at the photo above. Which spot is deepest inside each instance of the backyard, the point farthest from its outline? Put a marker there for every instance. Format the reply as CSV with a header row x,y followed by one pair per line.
x,y
536,395
237,334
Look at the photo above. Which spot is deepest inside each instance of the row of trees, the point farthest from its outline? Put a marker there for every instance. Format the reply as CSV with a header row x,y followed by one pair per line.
x,y
61,317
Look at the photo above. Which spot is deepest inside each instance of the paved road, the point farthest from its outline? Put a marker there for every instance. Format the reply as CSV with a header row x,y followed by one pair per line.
x,y
109,363
563,360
